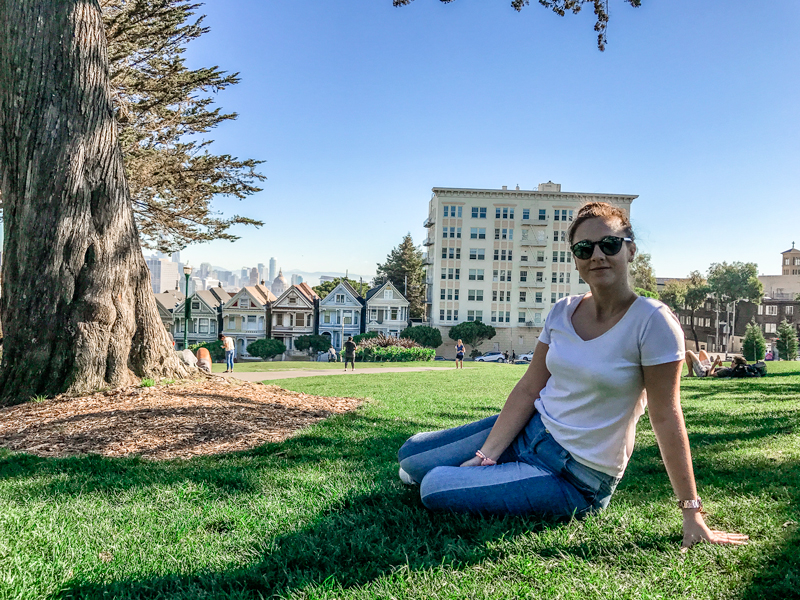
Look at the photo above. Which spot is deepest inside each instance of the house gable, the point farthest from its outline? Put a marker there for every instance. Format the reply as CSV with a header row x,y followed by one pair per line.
x,y
293,298
235,303
351,298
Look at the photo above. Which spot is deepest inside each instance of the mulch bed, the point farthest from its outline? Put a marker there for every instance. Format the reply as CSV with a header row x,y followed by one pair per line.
x,y
181,420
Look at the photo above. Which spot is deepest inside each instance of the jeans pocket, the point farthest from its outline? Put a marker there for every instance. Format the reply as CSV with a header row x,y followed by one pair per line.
x,y
582,479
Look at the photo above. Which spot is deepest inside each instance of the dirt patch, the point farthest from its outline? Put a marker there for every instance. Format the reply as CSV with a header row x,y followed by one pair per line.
x,y
176,421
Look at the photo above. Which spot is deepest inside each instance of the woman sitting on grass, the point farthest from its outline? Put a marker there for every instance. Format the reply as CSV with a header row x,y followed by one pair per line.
x,y
564,437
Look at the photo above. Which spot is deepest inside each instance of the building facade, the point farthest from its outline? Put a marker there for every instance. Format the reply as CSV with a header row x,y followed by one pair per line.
x,y
293,315
244,316
502,257
341,314
204,320
387,310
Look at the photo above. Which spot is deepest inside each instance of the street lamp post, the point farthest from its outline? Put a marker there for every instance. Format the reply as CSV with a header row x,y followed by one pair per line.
x,y
187,312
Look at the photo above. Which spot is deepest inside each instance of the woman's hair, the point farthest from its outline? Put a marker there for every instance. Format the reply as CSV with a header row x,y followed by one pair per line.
x,y
603,210
738,360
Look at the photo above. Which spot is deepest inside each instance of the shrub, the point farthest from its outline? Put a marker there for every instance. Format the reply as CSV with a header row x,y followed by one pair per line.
x,y
430,337
390,349
754,345
266,348
317,343
787,341
645,293
365,336
147,382
472,333
214,349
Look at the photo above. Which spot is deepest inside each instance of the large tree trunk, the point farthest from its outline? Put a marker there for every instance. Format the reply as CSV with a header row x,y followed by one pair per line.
x,y
77,308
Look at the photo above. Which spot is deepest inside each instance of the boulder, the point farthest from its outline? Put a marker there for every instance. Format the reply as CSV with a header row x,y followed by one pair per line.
x,y
187,357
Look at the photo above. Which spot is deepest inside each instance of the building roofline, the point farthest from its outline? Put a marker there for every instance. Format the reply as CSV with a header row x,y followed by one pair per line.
x,y
523,193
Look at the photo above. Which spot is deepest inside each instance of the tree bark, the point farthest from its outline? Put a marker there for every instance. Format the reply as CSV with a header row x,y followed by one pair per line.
x,y
77,308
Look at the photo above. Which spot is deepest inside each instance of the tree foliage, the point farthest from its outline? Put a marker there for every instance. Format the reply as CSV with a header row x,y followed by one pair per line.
x,y
472,333
647,294
164,111
430,337
315,343
733,283
754,346
266,348
674,295
642,273
561,7
365,336
787,341
403,267
326,287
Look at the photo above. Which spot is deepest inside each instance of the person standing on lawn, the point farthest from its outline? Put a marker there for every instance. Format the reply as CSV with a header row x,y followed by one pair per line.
x,y
460,354
228,346
350,354
561,443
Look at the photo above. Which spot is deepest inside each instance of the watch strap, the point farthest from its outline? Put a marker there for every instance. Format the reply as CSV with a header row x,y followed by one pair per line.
x,y
696,503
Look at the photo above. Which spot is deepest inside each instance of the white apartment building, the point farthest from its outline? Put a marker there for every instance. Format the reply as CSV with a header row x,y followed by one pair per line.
x,y
163,274
502,257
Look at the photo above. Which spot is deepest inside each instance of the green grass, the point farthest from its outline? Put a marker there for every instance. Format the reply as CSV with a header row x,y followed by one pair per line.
x,y
297,365
323,516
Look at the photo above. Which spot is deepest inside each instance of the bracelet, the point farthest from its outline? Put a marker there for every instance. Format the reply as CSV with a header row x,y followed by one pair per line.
x,y
485,460
697,503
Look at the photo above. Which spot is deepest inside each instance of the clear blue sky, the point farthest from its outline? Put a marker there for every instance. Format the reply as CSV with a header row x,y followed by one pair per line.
x,y
360,108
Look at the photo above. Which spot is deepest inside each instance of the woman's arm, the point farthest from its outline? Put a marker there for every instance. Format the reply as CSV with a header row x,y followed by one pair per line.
x,y
518,409
662,383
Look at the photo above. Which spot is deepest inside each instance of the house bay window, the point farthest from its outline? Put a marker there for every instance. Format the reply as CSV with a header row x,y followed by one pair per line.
x,y
251,323
394,314
204,326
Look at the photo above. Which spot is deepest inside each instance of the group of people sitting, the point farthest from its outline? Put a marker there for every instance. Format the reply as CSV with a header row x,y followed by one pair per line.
x,y
701,365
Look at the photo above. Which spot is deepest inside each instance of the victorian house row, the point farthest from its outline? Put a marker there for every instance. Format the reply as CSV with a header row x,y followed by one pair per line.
x,y
254,312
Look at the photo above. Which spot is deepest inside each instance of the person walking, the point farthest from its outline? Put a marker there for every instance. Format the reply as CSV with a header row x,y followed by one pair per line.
x,y
350,354
228,346
561,443
459,354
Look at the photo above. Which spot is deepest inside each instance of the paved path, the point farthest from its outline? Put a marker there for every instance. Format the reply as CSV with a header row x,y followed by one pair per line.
x,y
265,375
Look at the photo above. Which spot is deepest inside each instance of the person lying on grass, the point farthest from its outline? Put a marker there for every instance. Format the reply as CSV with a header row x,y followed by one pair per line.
x,y
701,365
561,443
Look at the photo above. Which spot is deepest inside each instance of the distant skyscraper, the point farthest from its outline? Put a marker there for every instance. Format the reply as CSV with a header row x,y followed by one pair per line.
x,y
261,273
176,257
297,279
273,268
253,276
163,274
205,270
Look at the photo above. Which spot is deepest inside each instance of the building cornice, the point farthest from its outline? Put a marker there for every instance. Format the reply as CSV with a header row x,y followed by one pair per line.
x,y
531,195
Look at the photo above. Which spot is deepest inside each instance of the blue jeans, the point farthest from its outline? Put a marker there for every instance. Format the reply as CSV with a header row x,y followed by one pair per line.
x,y
229,360
535,475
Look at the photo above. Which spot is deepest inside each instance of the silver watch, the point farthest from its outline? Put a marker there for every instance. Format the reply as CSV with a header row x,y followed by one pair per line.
x,y
697,503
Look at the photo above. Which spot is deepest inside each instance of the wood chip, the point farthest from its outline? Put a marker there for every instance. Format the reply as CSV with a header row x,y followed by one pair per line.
x,y
181,420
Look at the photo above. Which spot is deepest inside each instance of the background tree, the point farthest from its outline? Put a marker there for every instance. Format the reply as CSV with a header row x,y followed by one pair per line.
x,y
733,283
326,287
642,274
787,341
754,346
430,337
674,295
314,343
77,307
368,335
266,348
472,333
697,290
403,267
164,111
560,7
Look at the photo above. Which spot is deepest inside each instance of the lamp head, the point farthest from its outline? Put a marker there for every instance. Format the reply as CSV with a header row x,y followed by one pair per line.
x,y
187,270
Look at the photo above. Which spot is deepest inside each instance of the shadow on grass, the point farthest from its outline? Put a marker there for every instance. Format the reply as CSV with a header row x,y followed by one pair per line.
x,y
370,535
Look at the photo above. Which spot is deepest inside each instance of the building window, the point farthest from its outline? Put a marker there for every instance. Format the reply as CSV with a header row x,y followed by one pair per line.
x,y
441,314
561,278
555,236
455,314
452,211
539,297
522,296
388,295
526,214
231,322
478,212
339,299
554,279
523,258
475,295
444,252
761,309
479,315
203,325
508,316
477,253
540,256
523,276
497,233
789,310
458,274
555,257
539,276
553,298
449,314
477,233
470,315
521,317
770,327
326,318
494,316
772,309
542,214
441,297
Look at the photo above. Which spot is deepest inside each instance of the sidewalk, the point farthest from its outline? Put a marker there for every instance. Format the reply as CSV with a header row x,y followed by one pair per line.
x,y
268,375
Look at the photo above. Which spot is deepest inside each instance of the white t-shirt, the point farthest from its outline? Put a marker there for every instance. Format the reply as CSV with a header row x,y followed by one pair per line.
x,y
228,343
595,394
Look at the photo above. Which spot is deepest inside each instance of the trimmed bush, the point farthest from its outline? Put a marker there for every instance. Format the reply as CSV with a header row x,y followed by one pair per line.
x,y
266,348
390,349
429,337
317,343
214,349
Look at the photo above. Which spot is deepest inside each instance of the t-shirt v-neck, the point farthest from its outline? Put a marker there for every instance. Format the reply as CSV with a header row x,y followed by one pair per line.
x,y
594,397
571,312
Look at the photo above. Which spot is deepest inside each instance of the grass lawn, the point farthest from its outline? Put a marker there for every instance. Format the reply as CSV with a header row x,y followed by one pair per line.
x,y
295,365
323,515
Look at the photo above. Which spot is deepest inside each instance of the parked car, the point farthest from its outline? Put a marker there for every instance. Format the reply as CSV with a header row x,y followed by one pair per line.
x,y
493,356
526,357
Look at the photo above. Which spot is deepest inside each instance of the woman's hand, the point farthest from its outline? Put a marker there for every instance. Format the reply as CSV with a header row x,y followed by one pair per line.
x,y
695,530
475,461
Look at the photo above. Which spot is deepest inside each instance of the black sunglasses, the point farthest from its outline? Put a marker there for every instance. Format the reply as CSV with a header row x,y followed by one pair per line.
x,y
609,245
